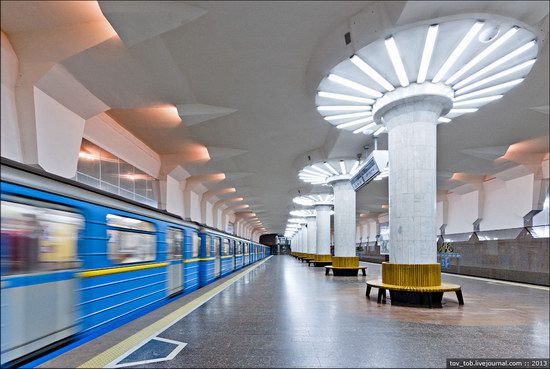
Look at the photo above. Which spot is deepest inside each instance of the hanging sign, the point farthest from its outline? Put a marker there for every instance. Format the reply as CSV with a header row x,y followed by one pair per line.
x,y
375,163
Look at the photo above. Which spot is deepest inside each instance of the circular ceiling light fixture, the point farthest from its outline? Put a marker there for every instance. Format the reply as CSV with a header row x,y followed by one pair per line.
x,y
323,172
312,200
476,60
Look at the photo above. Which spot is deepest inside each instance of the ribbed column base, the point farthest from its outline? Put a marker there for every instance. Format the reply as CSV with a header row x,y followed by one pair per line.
x,y
411,275
345,261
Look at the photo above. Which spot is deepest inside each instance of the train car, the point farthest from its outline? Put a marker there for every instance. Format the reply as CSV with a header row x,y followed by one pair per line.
x,y
191,260
210,261
239,260
227,257
246,253
76,260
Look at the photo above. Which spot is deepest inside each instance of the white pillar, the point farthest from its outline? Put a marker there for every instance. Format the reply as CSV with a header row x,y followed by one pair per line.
x,y
304,238
344,218
311,235
323,229
411,118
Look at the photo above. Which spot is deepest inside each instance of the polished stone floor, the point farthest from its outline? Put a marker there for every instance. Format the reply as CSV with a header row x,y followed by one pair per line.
x,y
286,314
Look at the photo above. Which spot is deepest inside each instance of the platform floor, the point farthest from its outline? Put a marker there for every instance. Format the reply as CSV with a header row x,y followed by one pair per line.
x,y
286,314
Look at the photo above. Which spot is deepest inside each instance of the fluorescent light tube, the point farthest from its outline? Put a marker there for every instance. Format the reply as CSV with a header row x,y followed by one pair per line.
x,y
354,167
393,52
495,64
354,85
496,76
355,122
321,170
364,128
463,110
482,55
489,90
331,168
347,116
343,107
443,120
343,97
458,51
481,100
313,173
369,71
427,53
380,130
343,167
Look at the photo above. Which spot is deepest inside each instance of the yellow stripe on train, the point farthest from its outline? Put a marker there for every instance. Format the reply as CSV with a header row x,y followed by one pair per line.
x,y
100,272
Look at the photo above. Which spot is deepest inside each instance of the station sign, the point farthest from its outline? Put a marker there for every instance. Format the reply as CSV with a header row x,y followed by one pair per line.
x,y
375,163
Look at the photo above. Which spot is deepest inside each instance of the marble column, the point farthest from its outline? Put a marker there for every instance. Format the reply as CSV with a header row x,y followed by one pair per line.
x,y
410,116
344,218
311,235
323,229
304,239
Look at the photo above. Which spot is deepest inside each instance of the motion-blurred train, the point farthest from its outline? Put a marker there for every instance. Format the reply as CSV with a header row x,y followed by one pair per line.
x,y
76,260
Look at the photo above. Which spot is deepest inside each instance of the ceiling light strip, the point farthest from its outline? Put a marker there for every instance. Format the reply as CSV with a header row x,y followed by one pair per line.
x,y
355,122
354,167
463,110
495,64
343,108
393,52
354,85
379,131
481,100
347,116
494,77
364,128
489,90
369,71
331,168
343,97
482,55
427,53
444,120
321,170
343,167
458,51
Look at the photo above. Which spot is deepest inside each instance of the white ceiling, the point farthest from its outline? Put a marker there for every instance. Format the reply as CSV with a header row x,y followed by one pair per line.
x,y
253,57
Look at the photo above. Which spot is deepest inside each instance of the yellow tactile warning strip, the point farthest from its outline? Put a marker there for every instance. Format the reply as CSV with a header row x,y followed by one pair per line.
x,y
107,357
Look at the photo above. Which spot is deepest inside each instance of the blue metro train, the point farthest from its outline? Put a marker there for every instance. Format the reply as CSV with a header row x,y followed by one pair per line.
x,y
76,260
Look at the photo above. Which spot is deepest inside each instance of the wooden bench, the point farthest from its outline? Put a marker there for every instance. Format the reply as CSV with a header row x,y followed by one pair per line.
x,y
328,268
444,287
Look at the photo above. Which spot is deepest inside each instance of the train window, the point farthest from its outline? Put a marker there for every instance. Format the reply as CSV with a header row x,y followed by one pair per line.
x,y
37,238
174,239
239,248
134,243
196,245
208,245
129,223
217,244
246,248
226,248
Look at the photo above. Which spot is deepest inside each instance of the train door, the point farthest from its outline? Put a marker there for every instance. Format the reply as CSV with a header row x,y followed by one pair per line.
x,y
217,257
234,252
39,257
174,240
